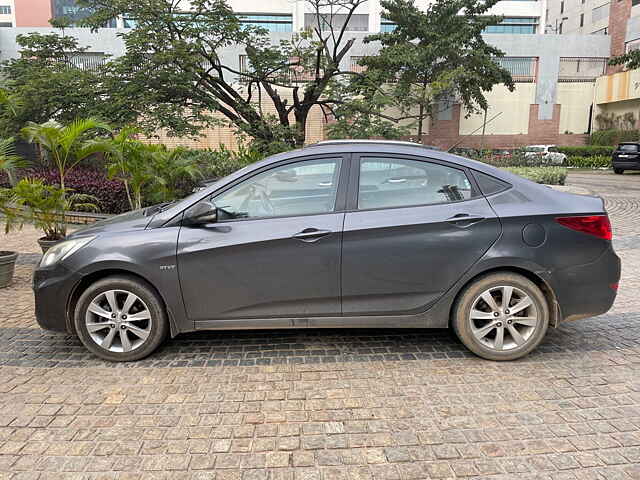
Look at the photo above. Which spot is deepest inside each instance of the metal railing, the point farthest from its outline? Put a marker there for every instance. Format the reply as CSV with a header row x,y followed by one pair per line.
x,y
581,69
522,69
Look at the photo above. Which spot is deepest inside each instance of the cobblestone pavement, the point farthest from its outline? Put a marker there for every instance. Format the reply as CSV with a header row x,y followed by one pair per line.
x,y
338,404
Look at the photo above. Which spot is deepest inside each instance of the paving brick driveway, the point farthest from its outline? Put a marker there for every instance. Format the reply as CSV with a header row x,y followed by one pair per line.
x,y
329,404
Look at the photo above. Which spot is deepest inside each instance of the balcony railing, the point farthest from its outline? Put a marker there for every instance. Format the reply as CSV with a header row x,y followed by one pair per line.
x,y
522,69
581,69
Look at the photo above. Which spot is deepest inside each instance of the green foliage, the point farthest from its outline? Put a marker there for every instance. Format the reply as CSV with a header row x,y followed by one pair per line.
x,y
613,137
218,163
587,151
596,161
630,60
43,84
70,144
172,173
434,55
9,161
172,75
545,175
31,201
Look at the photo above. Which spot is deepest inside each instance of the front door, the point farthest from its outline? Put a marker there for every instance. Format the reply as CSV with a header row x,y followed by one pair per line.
x,y
274,251
416,227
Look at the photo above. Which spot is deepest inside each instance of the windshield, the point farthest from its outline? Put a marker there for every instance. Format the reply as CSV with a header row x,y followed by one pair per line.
x,y
534,149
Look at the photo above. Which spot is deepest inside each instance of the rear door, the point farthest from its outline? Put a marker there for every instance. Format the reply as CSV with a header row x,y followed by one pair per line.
x,y
414,228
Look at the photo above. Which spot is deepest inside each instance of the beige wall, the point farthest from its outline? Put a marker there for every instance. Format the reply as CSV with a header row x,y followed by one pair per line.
x,y
514,106
576,99
227,135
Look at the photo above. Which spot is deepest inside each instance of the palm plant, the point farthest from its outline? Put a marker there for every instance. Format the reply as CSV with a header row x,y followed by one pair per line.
x,y
70,144
129,161
9,160
170,168
32,201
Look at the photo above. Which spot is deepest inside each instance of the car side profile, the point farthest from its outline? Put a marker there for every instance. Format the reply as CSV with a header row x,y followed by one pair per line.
x,y
547,153
338,234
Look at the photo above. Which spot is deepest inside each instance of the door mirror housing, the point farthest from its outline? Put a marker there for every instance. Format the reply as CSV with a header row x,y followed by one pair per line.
x,y
201,213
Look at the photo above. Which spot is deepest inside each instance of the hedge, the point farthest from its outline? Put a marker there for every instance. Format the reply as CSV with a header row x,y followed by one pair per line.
x,y
587,151
546,175
111,194
589,162
613,137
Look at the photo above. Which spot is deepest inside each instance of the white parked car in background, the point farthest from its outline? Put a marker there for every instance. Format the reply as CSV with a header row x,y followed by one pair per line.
x,y
547,153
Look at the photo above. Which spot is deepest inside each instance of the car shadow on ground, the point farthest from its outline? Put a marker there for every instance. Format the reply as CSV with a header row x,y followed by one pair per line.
x,y
29,347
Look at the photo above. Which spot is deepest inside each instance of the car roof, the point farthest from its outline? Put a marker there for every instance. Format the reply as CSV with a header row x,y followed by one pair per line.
x,y
629,143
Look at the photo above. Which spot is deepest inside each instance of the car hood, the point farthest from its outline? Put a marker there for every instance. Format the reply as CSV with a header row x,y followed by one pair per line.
x,y
134,220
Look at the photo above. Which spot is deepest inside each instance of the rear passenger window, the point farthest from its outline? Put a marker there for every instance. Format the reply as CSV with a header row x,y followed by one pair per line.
x,y
387,182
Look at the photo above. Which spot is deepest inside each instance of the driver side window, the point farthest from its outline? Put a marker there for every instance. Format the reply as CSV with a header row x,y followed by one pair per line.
x,y
301,188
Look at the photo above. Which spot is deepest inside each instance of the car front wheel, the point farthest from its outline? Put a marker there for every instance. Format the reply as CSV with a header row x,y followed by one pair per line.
x,y
618,171
120,319
501,316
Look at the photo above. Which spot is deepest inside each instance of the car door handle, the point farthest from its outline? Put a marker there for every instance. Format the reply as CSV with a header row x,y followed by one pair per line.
x,y
311,235
464,220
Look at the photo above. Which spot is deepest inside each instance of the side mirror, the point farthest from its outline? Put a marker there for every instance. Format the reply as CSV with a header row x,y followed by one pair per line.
x,y
201,213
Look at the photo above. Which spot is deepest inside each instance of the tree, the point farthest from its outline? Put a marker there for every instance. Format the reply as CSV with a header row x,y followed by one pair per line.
x,y
630,60
43,84
68,145
176,69
435,55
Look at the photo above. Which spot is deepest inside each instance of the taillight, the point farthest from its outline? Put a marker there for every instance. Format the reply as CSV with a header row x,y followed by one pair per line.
x,y
596,225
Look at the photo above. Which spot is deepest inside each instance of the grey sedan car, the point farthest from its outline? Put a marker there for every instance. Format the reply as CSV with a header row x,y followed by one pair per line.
x,y
338,234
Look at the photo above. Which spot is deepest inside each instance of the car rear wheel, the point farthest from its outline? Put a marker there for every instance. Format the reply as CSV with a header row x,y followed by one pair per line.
x,y
501,316
618,171
120,319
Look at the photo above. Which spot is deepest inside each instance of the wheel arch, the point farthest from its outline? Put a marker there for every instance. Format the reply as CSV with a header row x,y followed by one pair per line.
x,y
89,279
541,283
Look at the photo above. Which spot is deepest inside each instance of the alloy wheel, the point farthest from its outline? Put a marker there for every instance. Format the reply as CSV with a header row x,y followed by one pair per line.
x,y
503,318
118,321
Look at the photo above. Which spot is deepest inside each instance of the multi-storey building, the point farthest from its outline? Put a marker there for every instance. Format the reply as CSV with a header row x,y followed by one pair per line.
x,y
520,16
555,76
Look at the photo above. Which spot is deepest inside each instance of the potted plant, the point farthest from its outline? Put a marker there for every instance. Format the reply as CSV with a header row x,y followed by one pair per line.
x,y
31,201
9,161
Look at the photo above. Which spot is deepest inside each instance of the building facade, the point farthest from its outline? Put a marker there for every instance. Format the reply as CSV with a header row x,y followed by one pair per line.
x,y
555,75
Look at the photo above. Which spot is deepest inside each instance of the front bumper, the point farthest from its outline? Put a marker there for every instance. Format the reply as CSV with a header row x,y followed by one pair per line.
x,y
590,289
52,288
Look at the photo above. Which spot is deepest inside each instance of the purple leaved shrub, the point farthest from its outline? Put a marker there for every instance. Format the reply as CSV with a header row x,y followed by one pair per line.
x,y
111,194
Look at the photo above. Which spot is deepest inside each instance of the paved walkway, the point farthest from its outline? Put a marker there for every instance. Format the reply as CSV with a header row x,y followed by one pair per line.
x,y
354,404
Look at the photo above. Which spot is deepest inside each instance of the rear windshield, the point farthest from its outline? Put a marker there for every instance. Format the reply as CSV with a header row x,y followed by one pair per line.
x,y
628,148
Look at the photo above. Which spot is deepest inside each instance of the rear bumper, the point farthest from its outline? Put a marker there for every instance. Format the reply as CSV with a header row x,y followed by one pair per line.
x,y
52,288
626,165
587,290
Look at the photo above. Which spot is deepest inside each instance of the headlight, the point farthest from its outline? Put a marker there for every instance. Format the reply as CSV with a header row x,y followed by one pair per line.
x,y
63,250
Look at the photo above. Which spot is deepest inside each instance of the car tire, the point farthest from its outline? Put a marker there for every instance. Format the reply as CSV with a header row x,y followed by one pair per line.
x,y
510,334
618,171
136,328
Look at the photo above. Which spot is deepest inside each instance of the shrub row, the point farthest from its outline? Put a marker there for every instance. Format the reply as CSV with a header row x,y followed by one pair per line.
x,y
546,175
111,194
589,162
587,151
613,137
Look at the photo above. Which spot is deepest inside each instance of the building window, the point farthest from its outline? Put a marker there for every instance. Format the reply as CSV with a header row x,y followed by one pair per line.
x,y
562,7
6,24
600,12
336,21
129,22
581,69
71,11
270,22
516,25
635,2
560,28
582,19
5,9
387,25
